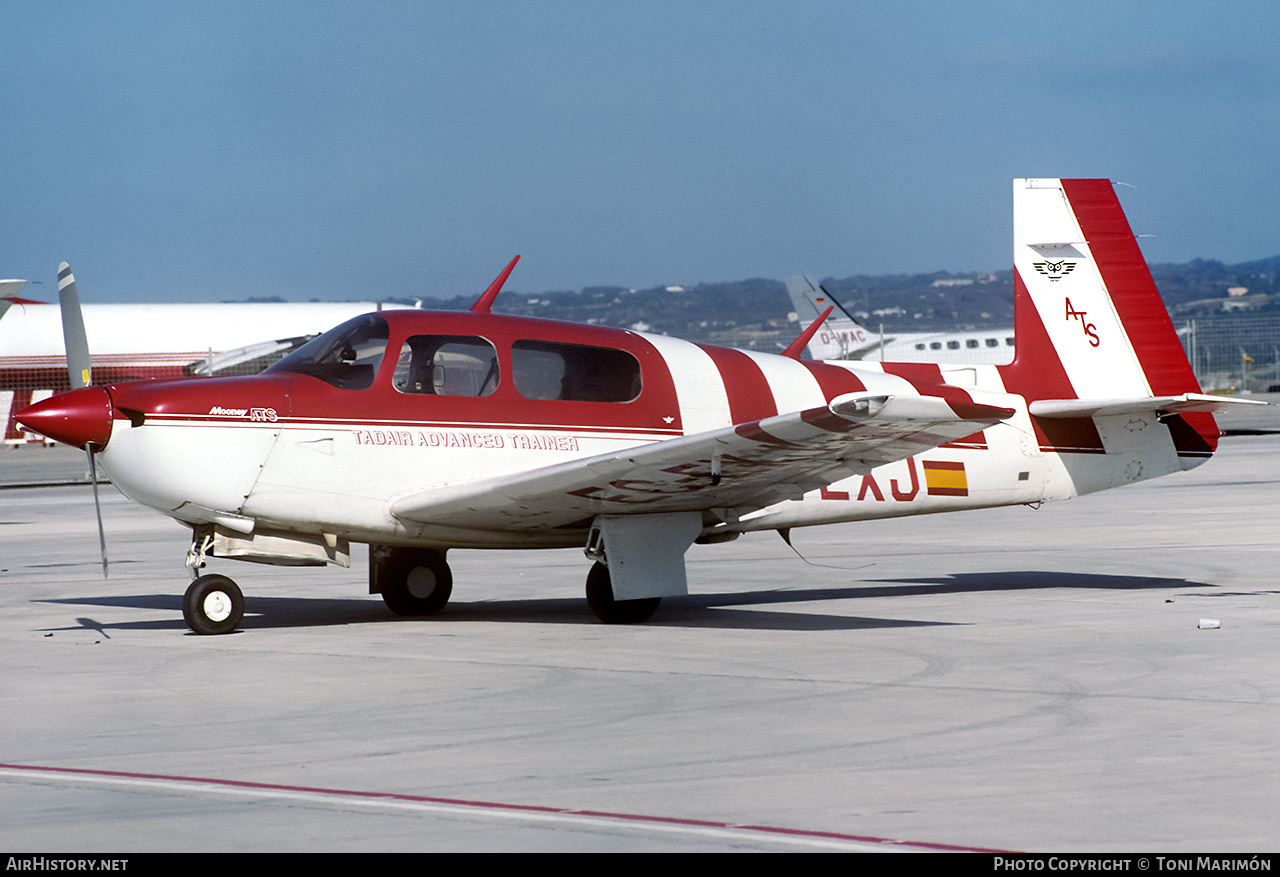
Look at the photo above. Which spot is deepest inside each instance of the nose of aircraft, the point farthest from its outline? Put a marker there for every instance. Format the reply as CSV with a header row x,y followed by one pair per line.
x,y
77,418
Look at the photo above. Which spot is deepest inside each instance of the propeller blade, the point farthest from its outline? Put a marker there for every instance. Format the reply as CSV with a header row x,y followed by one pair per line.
x,y
80,374
97,508
79,370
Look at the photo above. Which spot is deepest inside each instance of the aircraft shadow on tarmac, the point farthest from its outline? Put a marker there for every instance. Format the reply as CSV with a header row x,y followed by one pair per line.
x,y
696,610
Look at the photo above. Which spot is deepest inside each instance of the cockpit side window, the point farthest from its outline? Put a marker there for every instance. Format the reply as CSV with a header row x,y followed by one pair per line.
x,y
446,365
574,372
347,357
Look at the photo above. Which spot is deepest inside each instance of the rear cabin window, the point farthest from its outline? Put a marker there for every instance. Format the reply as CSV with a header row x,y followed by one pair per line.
x,y
574,372
446,365
347,357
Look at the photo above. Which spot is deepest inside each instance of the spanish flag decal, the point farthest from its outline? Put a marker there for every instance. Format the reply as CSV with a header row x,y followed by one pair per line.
x,y
945,478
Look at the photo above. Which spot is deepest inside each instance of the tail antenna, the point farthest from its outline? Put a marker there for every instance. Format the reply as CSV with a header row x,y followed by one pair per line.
x,y
798,345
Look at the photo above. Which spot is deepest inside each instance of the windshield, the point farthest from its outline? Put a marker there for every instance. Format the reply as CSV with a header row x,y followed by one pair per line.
x,y
346,357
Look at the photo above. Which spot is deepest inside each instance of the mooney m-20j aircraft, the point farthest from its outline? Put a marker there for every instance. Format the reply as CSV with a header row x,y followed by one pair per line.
x,y
418,432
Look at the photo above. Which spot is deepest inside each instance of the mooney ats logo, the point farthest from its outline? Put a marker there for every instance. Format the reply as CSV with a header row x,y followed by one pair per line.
x,y
266,415
1055,270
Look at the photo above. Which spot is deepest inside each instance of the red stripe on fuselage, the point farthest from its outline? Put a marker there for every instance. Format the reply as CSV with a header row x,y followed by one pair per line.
x,y
750,397
833,380
926,378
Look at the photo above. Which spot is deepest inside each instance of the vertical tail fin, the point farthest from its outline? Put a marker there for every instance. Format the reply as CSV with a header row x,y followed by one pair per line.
x,y
841,336
1089,322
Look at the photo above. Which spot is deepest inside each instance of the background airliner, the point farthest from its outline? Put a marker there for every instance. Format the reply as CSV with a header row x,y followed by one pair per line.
x,y
842,337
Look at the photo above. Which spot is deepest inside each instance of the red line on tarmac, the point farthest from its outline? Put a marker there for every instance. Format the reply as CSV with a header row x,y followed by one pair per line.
x,y
493,805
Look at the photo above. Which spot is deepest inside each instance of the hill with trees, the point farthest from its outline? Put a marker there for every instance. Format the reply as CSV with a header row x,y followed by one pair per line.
x,y
754,313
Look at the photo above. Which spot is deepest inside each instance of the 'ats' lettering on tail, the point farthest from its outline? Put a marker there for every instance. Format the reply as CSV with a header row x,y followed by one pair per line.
x,y
1089,329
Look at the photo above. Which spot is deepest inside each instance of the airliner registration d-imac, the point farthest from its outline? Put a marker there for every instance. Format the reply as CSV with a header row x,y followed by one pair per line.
x,y
842,337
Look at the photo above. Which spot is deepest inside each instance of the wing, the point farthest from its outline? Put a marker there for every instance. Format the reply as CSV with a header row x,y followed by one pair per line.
x,y
743,467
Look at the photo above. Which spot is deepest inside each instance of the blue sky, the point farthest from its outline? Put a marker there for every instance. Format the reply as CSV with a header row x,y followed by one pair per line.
x,y
202,151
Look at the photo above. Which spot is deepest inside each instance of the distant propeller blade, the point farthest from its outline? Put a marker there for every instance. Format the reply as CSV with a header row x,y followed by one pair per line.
x,y
79,369
97,508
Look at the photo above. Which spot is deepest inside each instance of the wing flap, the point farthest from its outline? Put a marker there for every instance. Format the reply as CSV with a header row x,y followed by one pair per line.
x,y
747,466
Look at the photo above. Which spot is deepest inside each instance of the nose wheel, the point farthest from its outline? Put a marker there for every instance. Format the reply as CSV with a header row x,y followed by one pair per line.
x,y
213,605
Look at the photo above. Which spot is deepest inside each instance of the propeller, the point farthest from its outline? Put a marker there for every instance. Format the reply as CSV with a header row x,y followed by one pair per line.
x,y
80,373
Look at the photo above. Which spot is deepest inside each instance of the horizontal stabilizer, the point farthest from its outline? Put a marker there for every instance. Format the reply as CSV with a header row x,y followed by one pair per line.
x,y
1060,408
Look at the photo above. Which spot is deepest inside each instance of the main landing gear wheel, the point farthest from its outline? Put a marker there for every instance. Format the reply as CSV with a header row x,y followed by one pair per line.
x,y
213,605
611,611
415,581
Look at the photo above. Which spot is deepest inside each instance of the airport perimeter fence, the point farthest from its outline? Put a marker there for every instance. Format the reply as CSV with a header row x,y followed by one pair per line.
x,y
1234,352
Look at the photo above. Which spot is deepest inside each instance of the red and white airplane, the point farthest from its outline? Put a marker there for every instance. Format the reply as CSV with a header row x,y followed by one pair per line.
x,y
419,432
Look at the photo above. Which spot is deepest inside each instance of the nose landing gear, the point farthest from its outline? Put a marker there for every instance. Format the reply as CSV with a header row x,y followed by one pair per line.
x,y
213,605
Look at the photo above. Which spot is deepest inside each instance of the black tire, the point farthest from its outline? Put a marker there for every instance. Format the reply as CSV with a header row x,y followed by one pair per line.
x,y
611,611
415,581
213,605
